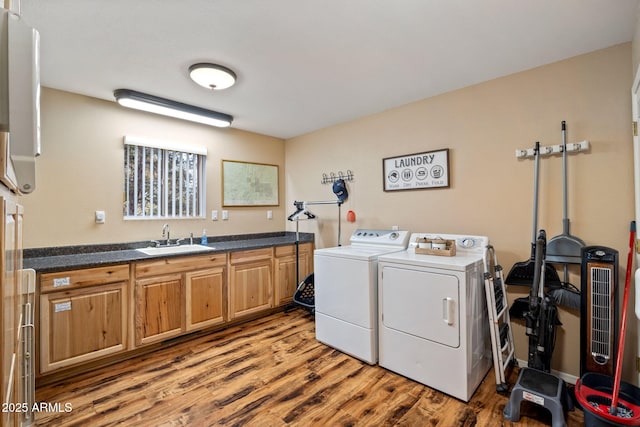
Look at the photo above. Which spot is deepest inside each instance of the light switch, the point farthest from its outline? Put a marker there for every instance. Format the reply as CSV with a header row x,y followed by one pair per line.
x,y
225,215
269,214
214,215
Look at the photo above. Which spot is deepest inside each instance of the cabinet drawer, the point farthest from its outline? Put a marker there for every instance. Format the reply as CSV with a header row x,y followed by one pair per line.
x,y
179,264
250,255
288,250
73,279
282,251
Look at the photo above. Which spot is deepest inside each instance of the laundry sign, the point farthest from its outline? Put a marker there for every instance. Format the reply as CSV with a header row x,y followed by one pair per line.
x,y
418,171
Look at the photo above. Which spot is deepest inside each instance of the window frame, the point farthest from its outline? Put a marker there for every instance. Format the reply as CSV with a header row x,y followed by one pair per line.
x,y
166,181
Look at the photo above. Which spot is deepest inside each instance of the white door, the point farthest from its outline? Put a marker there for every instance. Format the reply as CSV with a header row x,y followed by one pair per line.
x,y
345,289
422,303
635,107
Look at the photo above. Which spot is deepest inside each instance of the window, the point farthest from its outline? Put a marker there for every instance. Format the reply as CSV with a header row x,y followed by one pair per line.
x,y
163,180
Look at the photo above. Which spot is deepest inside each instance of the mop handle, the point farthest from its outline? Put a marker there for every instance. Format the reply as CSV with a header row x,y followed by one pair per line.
x,y
565,207
623,326
536,172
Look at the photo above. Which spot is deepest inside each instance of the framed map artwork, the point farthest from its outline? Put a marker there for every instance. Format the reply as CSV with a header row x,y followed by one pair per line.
x,y
249,184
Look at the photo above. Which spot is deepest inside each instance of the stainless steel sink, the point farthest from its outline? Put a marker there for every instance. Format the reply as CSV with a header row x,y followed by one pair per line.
x,y
169,250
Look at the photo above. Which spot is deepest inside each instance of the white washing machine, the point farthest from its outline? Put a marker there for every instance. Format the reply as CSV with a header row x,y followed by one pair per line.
x,y
433,319
346,291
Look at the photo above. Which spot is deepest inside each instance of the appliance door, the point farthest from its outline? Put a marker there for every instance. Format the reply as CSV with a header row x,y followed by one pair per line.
x,y
422,303
345,289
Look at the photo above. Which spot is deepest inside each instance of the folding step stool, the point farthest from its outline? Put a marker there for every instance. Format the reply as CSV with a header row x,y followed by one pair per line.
x,y
535,383
499,320
543,389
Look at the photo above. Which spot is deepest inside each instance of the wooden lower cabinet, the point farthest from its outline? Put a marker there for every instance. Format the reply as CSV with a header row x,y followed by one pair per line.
x,y
92,313
178,295
205,298
250,282
159,311
83,316
285,280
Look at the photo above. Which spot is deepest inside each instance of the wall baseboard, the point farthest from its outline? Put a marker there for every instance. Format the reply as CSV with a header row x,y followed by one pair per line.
x,y
568,378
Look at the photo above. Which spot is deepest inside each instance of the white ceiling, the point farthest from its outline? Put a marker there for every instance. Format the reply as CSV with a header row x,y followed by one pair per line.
x,y
303,65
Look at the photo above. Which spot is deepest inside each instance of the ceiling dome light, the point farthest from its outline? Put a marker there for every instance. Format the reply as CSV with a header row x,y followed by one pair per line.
x,y
212,76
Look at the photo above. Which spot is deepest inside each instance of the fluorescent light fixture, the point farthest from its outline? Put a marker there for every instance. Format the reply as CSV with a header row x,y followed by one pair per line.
x,y
212,76
154,104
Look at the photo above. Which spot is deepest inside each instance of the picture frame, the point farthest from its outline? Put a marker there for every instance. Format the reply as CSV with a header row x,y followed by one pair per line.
x,y
418,171
249,184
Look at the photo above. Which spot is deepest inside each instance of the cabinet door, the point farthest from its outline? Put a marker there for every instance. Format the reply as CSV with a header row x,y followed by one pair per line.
x,y
285,279
82,324
205,292
159,313
250,288
285,268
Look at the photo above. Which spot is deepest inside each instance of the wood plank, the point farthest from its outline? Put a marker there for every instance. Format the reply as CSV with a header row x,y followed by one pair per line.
x,y
268,372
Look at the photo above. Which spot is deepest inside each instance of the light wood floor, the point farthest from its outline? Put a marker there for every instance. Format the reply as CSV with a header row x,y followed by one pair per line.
x,y
268,372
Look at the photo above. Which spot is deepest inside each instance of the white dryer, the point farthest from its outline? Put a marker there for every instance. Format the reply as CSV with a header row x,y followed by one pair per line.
x,y
433,323
346,291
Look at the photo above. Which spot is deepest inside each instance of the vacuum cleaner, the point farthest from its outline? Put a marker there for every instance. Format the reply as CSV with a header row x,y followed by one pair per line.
x,y
535,382
542,317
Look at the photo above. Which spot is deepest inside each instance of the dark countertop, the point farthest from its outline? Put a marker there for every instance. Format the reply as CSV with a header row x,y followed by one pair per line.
x,y
48,260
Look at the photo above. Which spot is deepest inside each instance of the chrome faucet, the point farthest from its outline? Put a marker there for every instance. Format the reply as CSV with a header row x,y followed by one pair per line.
x,y
165,230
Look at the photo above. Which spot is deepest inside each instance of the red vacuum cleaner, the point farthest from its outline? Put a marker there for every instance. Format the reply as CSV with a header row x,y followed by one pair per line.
x,y
607,401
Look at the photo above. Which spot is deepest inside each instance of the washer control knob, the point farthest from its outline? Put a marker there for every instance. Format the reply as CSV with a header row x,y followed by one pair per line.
x,y
394,235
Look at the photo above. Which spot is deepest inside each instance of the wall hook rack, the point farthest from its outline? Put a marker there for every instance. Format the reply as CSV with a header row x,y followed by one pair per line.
x,y
554,149
332,177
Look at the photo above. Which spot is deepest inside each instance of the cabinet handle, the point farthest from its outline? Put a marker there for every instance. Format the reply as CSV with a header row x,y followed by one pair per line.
x,y
29,282
29,380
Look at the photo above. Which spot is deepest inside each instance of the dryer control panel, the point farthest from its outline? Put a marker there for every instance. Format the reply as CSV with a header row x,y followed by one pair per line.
x,y
464,243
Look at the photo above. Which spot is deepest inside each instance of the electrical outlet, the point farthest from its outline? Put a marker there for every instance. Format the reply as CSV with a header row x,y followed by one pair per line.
x,y
269,214
100,217
225,215
214,215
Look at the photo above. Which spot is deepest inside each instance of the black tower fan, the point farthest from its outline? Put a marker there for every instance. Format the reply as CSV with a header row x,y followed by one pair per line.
x,y
598,310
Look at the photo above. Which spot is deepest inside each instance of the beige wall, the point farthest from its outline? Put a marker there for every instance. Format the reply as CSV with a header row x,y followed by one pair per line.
x,y
81,171
491,191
